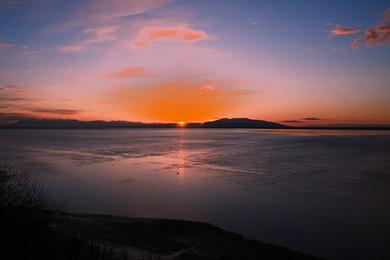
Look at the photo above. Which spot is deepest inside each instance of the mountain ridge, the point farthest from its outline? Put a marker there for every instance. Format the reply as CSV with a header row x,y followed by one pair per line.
x,y
98,124
33,123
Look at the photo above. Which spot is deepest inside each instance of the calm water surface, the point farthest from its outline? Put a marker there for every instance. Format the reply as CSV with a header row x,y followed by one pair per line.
x,y
325,193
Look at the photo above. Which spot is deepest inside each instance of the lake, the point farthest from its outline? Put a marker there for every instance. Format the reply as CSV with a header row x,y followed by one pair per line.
x,y
324,193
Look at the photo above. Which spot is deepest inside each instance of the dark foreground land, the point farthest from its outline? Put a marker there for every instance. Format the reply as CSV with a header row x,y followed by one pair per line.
x,y
80,236
33,227
165,238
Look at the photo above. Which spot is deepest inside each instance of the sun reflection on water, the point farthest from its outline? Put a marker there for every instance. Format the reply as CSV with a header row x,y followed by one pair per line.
x,y
181,155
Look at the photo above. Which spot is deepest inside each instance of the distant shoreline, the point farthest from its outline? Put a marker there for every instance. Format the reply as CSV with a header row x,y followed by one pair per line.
x,y
224,123
384,128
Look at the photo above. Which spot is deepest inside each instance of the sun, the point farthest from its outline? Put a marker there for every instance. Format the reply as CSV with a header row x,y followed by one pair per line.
x,y
181,124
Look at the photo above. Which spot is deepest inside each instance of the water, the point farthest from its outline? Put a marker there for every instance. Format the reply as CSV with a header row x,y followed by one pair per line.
x,y
324,193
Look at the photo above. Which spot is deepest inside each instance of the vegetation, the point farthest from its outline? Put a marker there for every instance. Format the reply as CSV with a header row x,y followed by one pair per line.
x,y
25,217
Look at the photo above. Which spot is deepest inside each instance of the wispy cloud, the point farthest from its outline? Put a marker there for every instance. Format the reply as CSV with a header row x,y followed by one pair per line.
x,y
212,85
100,12
302,121
355,43
72,47
339,31
10,99
92,36
377,35
11,2
129,72
65,112
292,121
206,87
5,45
311,119
238,81
15,95
183,33
372,36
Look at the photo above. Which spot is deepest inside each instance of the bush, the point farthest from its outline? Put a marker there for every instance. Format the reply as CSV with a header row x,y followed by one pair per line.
x,y
25,216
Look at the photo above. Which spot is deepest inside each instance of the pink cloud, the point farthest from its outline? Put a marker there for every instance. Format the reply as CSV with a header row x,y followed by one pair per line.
x,y
339,31
72,48
384,28
372,36
377,35
129,72
4,45
210,85
214,81
101,33
355,43
182,33
238,81
206,88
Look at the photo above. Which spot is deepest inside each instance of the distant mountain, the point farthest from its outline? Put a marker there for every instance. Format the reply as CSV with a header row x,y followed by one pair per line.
x,y
68,123
220,123
242,123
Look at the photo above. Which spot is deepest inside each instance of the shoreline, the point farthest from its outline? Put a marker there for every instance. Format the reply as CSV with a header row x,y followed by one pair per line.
x,y
166,238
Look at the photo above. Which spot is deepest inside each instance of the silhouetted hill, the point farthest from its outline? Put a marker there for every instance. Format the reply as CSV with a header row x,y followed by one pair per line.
x,y
242,123
220,123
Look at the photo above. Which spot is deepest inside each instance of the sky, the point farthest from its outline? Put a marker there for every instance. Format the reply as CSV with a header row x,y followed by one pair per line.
x,y
302,62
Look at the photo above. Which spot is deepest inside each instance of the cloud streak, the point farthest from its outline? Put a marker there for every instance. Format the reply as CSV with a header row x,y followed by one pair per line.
x,y
372,36
211,85
5,45
183,33
341,31
65,112
311,119
291,121
11,2
129,72
92,36
98,12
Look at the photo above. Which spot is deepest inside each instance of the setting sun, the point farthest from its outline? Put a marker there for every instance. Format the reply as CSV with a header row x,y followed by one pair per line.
x,y
181,124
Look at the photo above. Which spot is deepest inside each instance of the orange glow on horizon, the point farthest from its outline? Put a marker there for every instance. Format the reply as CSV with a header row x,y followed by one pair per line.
x,y
177,102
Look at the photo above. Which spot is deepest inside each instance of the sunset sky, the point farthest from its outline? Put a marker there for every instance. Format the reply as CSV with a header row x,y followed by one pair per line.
x,y
297,62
